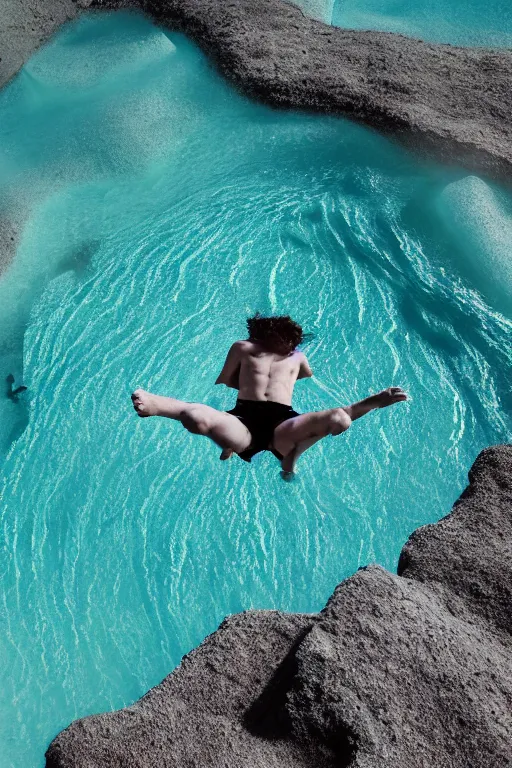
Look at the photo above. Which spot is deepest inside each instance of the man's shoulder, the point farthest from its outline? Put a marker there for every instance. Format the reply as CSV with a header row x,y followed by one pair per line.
x,y
243,345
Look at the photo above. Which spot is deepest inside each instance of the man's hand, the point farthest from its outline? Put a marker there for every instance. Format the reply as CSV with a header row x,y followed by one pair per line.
x,y
390,396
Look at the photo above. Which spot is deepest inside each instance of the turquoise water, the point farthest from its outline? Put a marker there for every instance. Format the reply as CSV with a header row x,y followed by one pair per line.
x,y
458,22
161,208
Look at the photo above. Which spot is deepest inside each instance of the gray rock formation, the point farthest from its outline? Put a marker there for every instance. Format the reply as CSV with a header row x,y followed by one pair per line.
x,y
399,671
25,25
453,102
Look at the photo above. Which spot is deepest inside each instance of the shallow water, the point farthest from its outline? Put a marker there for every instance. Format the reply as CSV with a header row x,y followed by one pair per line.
x,y
458,22
162,209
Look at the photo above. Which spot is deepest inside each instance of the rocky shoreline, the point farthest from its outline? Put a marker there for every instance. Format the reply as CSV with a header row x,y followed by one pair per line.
x,y
397,671
453,102
450,103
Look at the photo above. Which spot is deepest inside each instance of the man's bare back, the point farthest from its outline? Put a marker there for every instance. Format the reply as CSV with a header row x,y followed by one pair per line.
x,y
262,375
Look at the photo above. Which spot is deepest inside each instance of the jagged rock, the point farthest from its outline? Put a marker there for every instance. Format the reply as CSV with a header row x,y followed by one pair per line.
x,y
467,556
390,678
400,671
195,717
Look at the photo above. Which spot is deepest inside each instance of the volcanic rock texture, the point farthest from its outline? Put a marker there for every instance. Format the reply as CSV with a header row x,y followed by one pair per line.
x,y
402,671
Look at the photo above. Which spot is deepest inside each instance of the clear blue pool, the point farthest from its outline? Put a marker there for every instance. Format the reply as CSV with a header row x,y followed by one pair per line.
x,y
161,208
458,22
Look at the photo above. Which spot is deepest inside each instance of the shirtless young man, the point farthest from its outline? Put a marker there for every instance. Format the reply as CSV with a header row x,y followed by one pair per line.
x,y
264,369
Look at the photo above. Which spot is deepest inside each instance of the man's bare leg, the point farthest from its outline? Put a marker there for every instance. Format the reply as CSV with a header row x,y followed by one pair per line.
x,y
223,428
383,399
289,461
294,436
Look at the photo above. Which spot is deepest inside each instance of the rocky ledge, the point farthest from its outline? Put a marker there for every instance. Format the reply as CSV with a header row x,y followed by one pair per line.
x,y
402,671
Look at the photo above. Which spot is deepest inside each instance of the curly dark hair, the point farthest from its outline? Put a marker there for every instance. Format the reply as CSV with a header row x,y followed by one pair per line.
x,y
276,333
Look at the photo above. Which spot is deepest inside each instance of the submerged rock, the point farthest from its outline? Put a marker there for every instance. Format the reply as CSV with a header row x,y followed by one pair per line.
x,y
396,671
475,218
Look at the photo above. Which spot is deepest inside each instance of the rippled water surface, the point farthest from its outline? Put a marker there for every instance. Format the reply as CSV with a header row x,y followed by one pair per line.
x,y
161,208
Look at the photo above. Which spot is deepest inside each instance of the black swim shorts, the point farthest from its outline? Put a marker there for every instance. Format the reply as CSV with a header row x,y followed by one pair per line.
x,y
261,417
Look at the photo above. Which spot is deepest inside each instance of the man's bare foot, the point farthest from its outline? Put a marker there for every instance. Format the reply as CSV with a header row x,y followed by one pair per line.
x,y
144,403
226,454
287,466
390,396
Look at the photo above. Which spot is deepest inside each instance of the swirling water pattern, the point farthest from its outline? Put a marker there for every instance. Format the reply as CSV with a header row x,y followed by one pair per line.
x,y
163,209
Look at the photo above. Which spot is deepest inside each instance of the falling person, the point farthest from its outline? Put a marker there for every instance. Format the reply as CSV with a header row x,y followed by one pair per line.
x,y
264,369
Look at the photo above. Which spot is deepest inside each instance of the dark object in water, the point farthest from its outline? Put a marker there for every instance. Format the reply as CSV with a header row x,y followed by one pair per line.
x,y
12,393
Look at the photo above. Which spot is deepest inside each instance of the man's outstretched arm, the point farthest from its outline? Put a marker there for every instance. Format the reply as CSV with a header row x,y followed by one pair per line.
x,y
230,372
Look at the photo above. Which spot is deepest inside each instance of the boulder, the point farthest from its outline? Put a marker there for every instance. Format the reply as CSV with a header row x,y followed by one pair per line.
x,y
397,671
